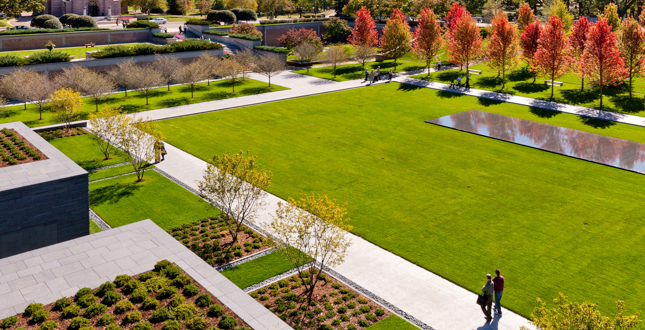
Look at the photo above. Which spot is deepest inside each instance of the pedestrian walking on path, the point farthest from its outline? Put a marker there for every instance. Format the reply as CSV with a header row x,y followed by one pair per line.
x,y
160,151
459,81
499,288
390,74
185,28
438,65
488,289
372,76
367,74
452,82
377,75
180,29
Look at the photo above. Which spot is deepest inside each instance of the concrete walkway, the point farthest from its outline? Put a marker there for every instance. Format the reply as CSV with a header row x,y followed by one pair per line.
x,y
433,300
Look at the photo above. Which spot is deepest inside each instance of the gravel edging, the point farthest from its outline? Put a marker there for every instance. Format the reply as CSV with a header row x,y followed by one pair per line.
x,y
240,261
99,221
106,167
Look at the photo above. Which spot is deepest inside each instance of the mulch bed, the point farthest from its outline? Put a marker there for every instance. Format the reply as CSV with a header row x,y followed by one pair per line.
x,y
168,276
334,305
16,150
211,240
62,133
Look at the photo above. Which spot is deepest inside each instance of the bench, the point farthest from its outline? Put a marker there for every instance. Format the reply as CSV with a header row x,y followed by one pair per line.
x,y
553,82
90,45
477,72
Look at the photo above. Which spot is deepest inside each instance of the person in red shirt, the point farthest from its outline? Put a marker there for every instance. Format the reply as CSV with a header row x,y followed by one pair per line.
x,y
499,288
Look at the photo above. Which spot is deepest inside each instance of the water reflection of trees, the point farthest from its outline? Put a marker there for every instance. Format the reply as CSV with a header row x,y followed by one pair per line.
x,y
589,146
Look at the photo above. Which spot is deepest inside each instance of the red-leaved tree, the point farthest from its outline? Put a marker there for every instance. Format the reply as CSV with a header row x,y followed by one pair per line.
x,y
602,62
577,41
525,17
553,55
455,12
396,38
529,42
295,37
503,46
428,37
631,43
364,32
464,40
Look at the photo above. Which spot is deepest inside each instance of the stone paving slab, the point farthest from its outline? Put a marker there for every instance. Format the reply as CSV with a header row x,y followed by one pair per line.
x,y
59,270
428,297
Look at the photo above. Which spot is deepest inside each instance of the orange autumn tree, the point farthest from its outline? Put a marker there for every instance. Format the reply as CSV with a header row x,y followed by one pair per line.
x,y
631,43
464,40
364,32
428,38
396,38
503,46
553,55
602,62
577,41
525,17
453,15
529,42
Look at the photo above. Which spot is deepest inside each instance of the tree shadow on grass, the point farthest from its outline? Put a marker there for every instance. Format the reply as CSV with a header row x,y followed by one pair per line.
x,y
113,193
543,113
520,74
174,102
625,104
409,88
597,123
448,95
488,82
131,108
90,164
529,88
255,90
488,102
577,96
342,70
446,75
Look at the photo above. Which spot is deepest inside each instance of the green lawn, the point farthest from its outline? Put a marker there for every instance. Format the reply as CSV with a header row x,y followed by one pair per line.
x,y
393,322
520,82
85,152
136,101
258,270
457,204
94,228
114,171
121,201
77,52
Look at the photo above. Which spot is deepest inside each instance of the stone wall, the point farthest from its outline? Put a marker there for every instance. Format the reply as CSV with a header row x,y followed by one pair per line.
x,y
43,202
69,39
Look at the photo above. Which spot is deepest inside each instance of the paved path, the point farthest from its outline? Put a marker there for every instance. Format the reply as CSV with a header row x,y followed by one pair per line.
x,y
435,301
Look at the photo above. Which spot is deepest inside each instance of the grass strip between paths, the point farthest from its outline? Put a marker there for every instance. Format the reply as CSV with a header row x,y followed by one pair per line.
x,y
258,270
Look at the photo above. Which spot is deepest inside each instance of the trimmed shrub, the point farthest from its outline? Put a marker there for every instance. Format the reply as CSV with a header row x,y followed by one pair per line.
x,y
226,16
160,316
192,44
245,28
32,308
227,322
94,310
139,295
53,23
132,284
39,316
105,288
294,37
113,327
47,57
105,320
243,14
142,25
371,317
39,20
82,292
203,300
61,303
167,292
63,19
246,37
142,326
49,325
196,323
363,323
111,298
121,280
132,317
180,281
43,31
149,304
190,290
11,60
195,21
379,312
163,35
9,322
71,311
78,323
171,325
278,50
146,276
123,306
82,21
176,300
172,272
215,311
86,300
185,311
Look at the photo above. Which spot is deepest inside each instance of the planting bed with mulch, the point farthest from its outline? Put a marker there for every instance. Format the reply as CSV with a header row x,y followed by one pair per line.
x,y
163,299
211,240
15,149
334,305
62,133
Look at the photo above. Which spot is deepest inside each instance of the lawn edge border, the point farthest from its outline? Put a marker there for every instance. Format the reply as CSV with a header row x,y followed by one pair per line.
x,y
99,221
242,260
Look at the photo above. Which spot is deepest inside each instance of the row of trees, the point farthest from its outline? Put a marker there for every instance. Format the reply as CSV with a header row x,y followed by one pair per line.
x,y
30,86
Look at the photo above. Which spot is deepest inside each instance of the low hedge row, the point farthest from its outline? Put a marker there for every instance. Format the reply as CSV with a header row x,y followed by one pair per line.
x,y
35,58
245,36
148,49
278,50
163,35
216,32
194,21
37,31
292,20
142,24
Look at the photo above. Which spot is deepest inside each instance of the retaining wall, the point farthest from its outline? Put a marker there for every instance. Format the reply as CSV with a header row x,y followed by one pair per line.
x,y
69,39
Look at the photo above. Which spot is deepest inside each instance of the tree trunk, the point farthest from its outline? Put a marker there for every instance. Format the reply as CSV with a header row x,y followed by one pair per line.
x,y
169,86
96,101
233,86
126,90
601,96
583,84
534,76
269,81
25,105
503,78
147,97
41,112
552,85
192,95
630,84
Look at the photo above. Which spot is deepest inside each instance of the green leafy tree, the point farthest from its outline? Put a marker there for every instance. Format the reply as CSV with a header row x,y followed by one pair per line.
x,y
15,7
396,36
560,9
611,15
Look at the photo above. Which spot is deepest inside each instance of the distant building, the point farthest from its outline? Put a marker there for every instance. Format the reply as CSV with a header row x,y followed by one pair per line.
x,y
83,7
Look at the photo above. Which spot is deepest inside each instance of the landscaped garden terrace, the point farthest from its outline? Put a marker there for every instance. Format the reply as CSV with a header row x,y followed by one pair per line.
x,y
164,298
14,149
427,193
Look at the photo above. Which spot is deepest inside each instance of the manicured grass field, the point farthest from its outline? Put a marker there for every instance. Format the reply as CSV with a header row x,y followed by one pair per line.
x,y
457,204
77,52
520,82
106,173
136,101
258,270
94,228
121,201
84,151
393,322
